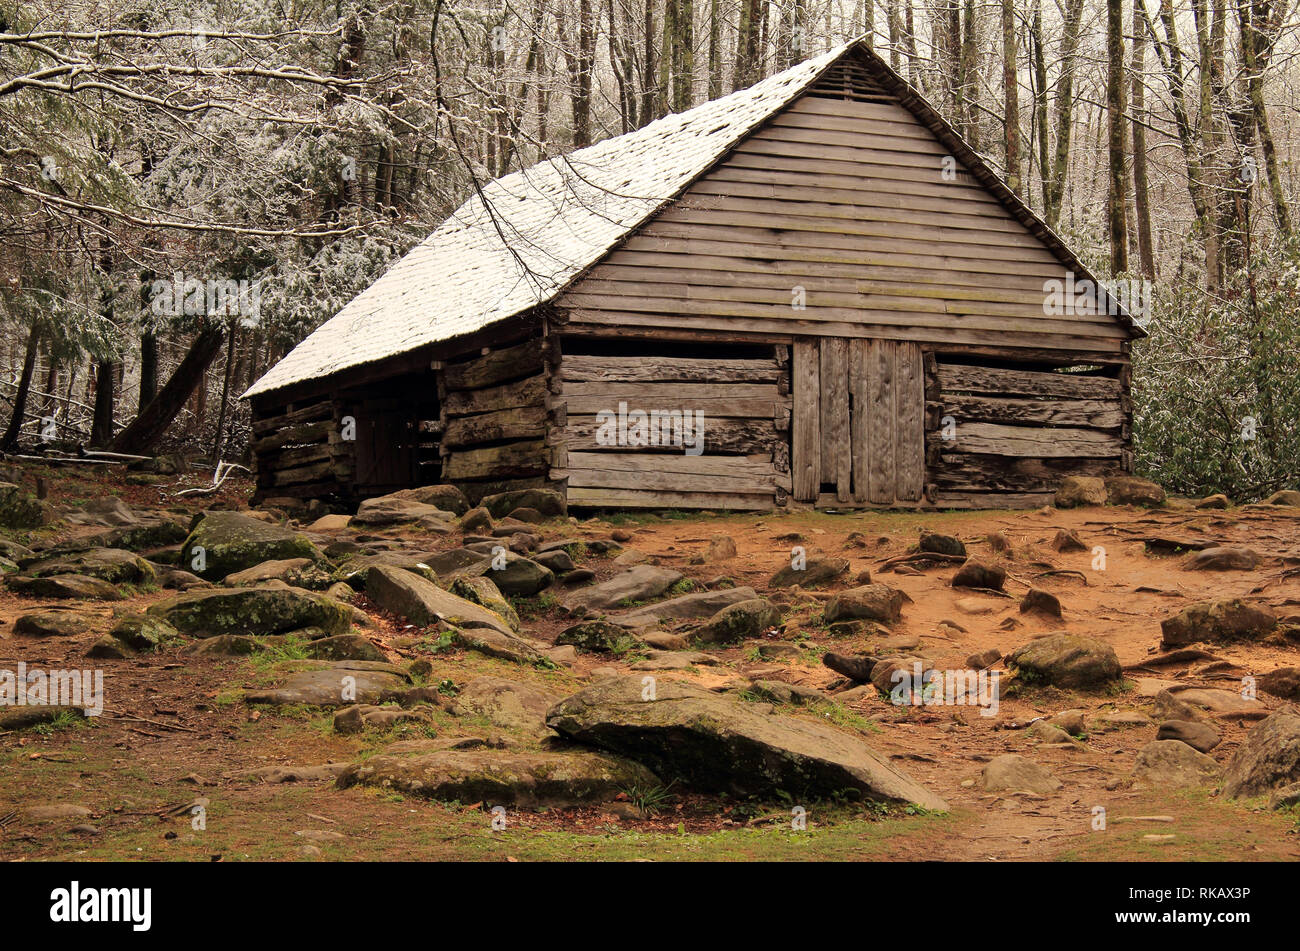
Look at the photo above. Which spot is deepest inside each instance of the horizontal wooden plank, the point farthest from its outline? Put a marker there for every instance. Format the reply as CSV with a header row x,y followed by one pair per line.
x,y
969,472
743,400
630,498
853,186
323,409
524,422
510,460
1031,441
903,180
720,435
959,378
1096,414
301,435
647,369
951,335
991,500
527,392
497,366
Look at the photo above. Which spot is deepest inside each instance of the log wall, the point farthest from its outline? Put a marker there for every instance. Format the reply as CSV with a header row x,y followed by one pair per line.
x,y
1005,436
744,462
298,451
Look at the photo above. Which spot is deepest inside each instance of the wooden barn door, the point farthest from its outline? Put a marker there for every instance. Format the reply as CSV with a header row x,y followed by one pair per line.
x,y
858,430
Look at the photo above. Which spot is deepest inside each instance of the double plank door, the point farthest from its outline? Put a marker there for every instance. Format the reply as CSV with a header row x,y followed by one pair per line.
x,y
858,421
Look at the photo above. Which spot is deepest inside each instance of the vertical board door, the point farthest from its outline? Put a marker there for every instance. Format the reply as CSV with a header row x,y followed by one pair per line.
x,y
858,432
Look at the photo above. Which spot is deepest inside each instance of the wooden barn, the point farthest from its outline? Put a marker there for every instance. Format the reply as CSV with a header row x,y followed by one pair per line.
x,y
811,291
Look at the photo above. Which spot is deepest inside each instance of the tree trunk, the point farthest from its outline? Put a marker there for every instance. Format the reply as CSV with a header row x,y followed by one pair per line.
x,y
10,441
152,420
233,335
1011,97
101,430
1141,195
1117,192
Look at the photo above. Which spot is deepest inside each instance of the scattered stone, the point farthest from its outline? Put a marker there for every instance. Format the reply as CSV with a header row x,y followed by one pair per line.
x,y
1268,759
330,523
739,621
1065,660
109,647
231,542
1046,732
1216,701
52,622
1130,490
1223,558
546,501
20,717
423,603
1013,773
19,510
1068,540
365,716
1076,491
1199,736
998,542
1283,497
857,667
815,572
664,640
597,637
636,584
526,514
445,497
715,743
777,691
941,544
72,587
113,565
1173,764
1042,602
344,647
975,573
1071,721
1225,620
144,633
700,604
558,561
674,660
325,772
517,576
484,592
395,510
265,609
976,606
1282,682
478,520
337,686
506,703
721,548
873,602
984,659
1216,501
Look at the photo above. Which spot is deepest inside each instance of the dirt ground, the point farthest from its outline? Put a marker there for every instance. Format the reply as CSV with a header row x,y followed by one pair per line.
x,y
175,730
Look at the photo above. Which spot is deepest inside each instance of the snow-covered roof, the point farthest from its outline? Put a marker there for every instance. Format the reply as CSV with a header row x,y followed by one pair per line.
x,y
527,235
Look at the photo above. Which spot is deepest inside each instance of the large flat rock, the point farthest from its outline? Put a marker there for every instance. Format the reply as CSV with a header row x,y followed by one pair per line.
x,y
252,611
701,604
640,583
715,743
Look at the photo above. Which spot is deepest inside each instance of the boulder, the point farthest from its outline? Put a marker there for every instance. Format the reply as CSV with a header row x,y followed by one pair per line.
x,y
546,501
1199,736
146,534
1282,682
364,716
105,511
336,686
1013,773
739,621
1065,660
1283,497
144,633
517,576
448,498
297,572
231,542
72,587
984,659
872,602
699,604
1173,764
1216,501
1076,491
422,602
1068,540
721,548
499,777
394,510
113,565
1223,558
330,523
558,561
19,510
476,520
942,544
597,637
344,647
1130,490
1224,620
52,622
257,610
483,592
1038,601
506,703
975,573
715,743
640,583
1268,759
815,571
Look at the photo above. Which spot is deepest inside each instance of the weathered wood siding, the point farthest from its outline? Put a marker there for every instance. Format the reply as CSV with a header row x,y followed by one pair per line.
x,y
854,201
744,459
494,419
1005,437
298,450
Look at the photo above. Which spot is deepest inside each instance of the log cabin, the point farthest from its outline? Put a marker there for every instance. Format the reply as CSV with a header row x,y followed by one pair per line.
x,y
808,292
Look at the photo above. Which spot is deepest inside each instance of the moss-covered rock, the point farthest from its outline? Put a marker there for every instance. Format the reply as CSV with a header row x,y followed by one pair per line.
x,y
257,610
1065,660
738,621
483,592
223,543
142,632
114,565
19,510
597,637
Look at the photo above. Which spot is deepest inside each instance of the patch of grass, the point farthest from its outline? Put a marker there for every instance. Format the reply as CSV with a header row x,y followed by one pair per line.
x,y
841,716
684,586
650,798
63,720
